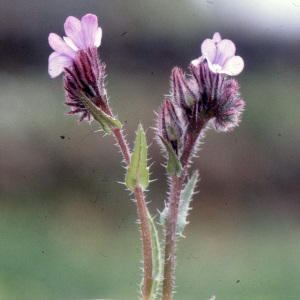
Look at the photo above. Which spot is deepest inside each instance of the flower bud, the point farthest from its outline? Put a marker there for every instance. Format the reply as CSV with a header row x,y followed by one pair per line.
x,y
182,91
169,125
229,109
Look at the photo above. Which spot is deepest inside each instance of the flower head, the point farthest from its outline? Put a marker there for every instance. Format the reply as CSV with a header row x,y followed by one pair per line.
x,y
219,100
220,56
85,77
81,35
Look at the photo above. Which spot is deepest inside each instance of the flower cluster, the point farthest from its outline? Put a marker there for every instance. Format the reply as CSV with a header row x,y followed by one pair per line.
x,y
76,55
207,97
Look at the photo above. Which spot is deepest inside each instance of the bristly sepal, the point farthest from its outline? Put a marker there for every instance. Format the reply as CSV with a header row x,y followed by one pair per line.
x,y
107,122
174,165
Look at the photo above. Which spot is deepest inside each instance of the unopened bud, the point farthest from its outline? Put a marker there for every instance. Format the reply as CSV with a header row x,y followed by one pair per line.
x,y
169,125
182,91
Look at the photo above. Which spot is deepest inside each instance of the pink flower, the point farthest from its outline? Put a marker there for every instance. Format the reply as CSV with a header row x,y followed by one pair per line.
x,y
81,35
220,56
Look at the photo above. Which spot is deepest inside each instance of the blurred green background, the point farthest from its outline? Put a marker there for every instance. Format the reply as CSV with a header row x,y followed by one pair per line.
x,y
68,228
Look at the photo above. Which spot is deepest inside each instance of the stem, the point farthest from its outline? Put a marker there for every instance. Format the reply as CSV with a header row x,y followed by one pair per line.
x,y
143,217
146,237
175,192
170,242
123,145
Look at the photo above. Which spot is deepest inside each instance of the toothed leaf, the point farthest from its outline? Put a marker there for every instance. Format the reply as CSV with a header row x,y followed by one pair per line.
x,y
138,173
174,165
104,119
185,199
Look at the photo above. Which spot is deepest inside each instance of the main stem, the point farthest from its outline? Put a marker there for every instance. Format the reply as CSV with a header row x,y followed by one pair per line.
x,y
143,216
170,242
176,188
146,237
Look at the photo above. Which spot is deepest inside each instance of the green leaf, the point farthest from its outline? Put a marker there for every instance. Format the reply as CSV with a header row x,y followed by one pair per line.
x,y
138,173
156,259
163,216
185,199
107,122
174,165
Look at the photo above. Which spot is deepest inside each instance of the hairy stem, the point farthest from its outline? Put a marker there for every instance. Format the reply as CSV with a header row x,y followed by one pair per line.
x,y
146,237
123,145
144,221
175,192
170,242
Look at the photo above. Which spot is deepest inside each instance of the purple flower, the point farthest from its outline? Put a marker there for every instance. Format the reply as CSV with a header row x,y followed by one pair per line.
x,y
220,56
81,35
219,100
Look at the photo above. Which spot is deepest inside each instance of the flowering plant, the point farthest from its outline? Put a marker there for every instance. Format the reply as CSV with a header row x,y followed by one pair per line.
x,y
206,98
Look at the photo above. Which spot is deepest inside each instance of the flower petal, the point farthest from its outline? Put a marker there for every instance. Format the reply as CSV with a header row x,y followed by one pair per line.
x,y
98,37
89,24
70,43
209,50
73,30
196,61
212,67
226,50
58,45
227,47
57,63
217,38
233,66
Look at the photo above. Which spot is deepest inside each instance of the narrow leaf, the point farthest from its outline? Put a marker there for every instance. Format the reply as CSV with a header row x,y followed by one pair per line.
x,y
174,165
106,121
184,203
156,259
138,173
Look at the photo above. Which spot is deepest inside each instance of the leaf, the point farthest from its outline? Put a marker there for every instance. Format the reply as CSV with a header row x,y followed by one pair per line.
x,y
156,259
163,216
106,121
185,199
138,173
174,165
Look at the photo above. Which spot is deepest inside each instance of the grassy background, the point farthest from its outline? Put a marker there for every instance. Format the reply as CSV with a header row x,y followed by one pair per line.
x,y
67,228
